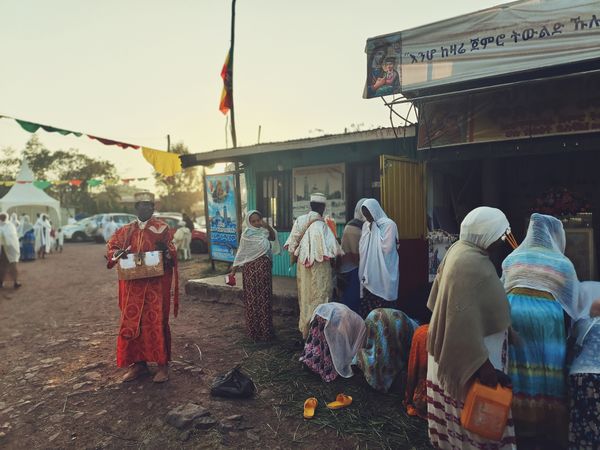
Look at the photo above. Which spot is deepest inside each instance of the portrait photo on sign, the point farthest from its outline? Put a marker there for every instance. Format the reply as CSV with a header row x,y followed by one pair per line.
x,y
383,67
222,216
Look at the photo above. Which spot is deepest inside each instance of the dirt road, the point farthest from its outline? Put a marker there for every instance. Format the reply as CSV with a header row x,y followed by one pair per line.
x,y
59,387
58,381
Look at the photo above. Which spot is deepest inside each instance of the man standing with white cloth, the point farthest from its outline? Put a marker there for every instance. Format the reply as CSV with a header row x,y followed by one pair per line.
x,y
378,264
10,251
314,247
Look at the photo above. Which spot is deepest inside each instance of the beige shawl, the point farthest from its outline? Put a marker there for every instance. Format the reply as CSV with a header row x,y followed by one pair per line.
x,y
468,303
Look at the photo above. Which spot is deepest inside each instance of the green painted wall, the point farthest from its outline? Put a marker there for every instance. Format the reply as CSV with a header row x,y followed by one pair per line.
x,y
333,154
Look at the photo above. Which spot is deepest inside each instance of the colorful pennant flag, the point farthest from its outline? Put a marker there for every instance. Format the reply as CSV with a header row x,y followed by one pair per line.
x,y
227,76
164,163
42,184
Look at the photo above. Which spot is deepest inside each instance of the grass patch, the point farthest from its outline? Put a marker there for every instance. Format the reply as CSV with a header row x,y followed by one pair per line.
x,y
377,420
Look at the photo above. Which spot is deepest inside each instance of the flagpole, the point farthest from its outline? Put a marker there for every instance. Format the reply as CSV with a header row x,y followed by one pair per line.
x,y
231,58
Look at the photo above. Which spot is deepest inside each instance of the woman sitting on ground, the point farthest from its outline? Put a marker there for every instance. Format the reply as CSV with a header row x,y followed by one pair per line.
x,y
540,282
468,332
385,356
258,243
335,335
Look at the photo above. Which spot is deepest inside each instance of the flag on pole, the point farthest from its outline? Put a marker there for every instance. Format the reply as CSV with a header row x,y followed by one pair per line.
x,y
227,93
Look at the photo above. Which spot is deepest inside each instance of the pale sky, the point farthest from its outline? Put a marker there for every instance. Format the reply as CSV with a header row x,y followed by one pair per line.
x,y
137,70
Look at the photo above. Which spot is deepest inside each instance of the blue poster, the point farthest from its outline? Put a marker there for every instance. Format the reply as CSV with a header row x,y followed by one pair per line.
x,y
222,216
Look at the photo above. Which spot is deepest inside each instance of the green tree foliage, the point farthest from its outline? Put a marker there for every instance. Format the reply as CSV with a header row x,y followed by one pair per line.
x,y
181,192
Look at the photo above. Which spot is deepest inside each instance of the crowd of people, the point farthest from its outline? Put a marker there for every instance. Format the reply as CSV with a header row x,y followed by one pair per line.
x,y
522,321
22,241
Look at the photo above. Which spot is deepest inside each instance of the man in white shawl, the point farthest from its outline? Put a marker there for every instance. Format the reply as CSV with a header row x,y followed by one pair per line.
x,y
109,228
378,265
42,229
183,239
10,251
314,246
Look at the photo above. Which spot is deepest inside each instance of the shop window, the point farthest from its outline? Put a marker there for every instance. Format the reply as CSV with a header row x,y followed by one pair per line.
x,y
274,198
363,181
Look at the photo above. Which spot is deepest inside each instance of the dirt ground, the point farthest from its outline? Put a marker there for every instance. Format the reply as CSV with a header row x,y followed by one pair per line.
x,y
60,388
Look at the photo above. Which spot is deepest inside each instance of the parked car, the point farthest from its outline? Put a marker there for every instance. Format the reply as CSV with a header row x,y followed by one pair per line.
x,y
96,226
199,239
77,231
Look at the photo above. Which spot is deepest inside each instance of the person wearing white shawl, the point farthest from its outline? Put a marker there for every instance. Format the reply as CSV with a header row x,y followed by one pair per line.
x,y
313,245
378,266
42,229
10,251
541,284
27,237
468,332
584,374
258,243
14,219
336,335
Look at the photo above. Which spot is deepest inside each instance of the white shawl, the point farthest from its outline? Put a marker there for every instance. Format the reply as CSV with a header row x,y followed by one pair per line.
x,y
318,243
345,334
9,241
254,243
378,266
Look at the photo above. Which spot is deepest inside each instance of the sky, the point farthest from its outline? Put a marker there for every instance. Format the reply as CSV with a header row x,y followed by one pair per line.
x,y
137,70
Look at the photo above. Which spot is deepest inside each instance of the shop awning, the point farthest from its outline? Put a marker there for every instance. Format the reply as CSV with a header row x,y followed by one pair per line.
x,y
514,38
241,153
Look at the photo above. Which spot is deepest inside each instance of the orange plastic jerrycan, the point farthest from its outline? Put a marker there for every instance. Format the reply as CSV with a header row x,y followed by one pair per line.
x,y
486,410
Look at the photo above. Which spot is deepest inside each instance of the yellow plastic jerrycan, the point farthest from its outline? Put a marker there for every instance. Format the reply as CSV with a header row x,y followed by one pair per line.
x,y
486,410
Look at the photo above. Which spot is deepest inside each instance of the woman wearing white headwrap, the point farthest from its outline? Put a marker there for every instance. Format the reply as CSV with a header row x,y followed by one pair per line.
x,y
378,266
27,238
584,375
541,283
10,251
257,245
349,267
468,332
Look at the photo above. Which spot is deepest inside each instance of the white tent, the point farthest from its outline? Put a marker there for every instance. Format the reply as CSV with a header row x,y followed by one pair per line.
x,y
25,198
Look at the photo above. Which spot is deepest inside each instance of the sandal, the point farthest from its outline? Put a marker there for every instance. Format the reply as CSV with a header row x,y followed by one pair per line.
x,y
135,371
341,401
309,407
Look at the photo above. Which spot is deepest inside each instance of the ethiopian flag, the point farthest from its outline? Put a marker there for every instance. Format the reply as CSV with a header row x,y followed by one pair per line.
x,y
227,93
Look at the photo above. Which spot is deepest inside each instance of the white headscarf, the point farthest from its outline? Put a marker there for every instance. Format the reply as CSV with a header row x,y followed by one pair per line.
x,y
539,263
9,241
378,266
25,226
483,226
345,334
14,219
358,214
589,292
254,242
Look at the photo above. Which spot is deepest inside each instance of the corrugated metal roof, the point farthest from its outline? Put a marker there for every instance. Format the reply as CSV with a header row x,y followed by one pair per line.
x,y
233,154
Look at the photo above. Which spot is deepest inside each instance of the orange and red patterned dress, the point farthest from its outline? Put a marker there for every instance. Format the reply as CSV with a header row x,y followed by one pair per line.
x,y
144,333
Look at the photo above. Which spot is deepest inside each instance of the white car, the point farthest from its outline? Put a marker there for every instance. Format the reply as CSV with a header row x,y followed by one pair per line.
x,y
94,229
77,231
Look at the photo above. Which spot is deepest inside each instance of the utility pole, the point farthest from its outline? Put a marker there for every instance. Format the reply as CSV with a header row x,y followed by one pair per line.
x,y
231,59
168,142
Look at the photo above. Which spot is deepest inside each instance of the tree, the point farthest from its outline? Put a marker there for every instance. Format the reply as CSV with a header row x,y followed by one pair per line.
x,y
8,167
180,192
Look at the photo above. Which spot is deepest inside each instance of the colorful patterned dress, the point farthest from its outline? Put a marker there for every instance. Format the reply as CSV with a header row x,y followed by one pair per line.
x,y
385,356
258,290
317,355
144,333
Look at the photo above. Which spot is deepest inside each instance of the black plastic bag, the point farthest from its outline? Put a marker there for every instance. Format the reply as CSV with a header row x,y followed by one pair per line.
x,y
234,384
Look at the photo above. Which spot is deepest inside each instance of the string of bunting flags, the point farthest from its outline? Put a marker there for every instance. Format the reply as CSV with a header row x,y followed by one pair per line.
x,y
44,184
165,163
